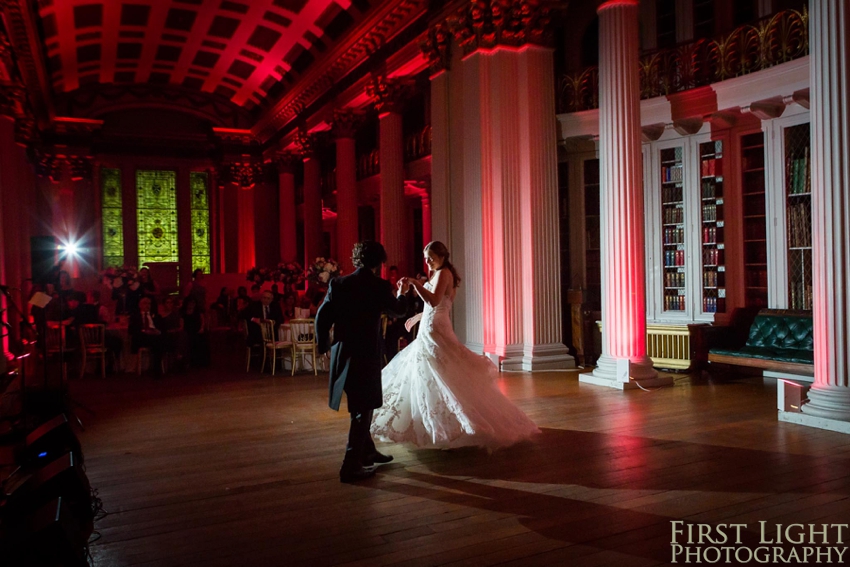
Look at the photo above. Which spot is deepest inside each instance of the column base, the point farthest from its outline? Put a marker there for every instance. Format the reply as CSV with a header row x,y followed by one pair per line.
x,y
837,425
828,403
477,348
541,357
623,374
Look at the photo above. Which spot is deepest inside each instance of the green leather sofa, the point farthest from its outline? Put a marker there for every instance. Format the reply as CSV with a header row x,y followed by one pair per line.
x,y
780,340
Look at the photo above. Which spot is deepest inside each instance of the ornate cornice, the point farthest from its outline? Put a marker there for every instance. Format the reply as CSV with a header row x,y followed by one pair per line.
x,y
387,94
485,24
287,162
370,35
50,162
307,144
436,47
244,171
345,123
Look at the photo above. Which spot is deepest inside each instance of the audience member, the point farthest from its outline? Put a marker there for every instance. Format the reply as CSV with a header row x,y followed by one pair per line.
x,y
145,333
258,311
290,301
197,290
195,334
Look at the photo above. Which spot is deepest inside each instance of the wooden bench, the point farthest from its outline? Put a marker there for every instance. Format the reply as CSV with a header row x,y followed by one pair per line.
x,y
778,340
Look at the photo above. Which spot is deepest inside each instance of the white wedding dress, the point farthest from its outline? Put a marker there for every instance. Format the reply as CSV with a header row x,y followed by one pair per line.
x,y
438,393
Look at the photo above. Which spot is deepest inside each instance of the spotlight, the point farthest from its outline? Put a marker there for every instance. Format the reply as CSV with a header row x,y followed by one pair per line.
x,y
70,249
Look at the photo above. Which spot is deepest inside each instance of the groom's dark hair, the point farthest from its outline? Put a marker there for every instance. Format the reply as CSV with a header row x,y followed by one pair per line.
x,y
368,254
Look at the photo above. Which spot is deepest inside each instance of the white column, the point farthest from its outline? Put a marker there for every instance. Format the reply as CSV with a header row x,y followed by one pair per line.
x,y
392,190
622,224
540,266
829,36
440,157
474,71
346,201
245,236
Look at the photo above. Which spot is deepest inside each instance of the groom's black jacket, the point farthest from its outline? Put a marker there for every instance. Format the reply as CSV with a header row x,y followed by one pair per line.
x,y
353,306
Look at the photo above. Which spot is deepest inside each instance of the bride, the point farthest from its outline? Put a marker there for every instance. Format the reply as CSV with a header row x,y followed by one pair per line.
x,y
438,393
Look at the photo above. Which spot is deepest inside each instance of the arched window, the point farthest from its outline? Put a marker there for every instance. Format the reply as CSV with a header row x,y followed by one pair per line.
x,y
156,210
199,185
111,217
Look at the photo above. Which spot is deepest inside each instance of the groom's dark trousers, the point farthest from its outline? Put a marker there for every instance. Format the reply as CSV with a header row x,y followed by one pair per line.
x,y
360,441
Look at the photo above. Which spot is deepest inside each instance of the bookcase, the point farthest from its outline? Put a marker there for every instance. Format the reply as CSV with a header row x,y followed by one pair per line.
x,y
674,239
798,216
754,220
712,225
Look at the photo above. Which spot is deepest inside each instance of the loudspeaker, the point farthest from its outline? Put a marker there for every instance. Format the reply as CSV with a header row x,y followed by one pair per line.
x,y
43,252
49,441
26,491
51,535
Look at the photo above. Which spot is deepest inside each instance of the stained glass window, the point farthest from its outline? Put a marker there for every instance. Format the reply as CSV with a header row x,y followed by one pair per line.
x,y
156,195
111,217
200,220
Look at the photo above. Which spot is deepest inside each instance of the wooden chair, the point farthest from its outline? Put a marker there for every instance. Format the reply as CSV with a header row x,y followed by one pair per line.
x,y
145,352
57,346
249,349
93,345
271,343
303,335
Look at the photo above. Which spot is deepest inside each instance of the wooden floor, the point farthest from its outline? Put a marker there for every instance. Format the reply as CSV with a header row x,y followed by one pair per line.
x,y
227,468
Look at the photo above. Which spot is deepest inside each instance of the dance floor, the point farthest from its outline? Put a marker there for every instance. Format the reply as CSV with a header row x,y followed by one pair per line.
x,y
228,468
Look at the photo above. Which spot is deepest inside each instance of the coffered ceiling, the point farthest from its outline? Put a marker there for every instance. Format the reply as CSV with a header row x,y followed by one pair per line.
x,y
248,52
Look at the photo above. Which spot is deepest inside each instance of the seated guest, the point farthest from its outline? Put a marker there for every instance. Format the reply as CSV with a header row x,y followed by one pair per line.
x,y
144,333
197,345
275,293
171,325
290,301
101,311
258,311
255,292
222,305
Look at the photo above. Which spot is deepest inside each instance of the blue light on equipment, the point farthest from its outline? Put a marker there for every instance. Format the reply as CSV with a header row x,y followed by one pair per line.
x,y
42,454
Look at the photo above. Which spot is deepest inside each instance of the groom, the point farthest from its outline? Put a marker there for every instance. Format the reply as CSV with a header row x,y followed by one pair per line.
x,y
353,306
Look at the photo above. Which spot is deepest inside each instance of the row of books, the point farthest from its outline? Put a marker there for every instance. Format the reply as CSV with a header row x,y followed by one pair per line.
x,y
710,278
674,279
671,174
671,194
709,235
801,296
712,188
674,303
674,258
799,225
709,212
713,305
712,257
798,175
673,215
674,235
711,167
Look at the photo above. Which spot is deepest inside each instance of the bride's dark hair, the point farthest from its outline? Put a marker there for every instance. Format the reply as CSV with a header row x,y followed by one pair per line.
x,y
439,249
